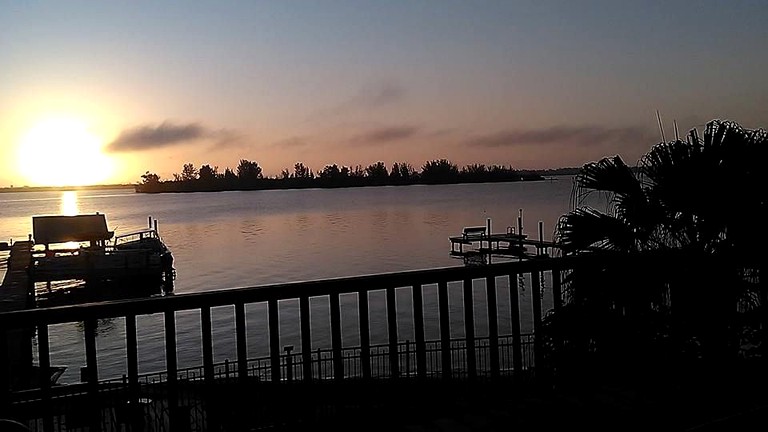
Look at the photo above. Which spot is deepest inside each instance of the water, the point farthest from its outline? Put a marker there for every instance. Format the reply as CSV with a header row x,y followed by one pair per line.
x,y
234,239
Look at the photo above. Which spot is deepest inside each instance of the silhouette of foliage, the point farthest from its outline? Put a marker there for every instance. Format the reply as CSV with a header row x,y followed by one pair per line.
x,y
249,175
694,210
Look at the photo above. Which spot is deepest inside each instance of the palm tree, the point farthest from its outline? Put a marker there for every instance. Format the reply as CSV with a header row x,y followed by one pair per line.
x,y
692,202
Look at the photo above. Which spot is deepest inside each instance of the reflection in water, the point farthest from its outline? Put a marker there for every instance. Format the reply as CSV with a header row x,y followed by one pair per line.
x,y
69,203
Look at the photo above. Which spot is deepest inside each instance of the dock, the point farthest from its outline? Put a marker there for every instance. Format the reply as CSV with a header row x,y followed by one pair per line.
x,y
480,241
16,294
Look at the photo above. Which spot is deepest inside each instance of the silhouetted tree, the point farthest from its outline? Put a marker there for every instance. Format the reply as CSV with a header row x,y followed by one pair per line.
x,y
439,171
694,206
208,174
248,170
188,172
377,171
302,172
149,178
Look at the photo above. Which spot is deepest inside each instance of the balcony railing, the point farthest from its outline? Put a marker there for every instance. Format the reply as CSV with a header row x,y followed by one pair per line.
x,y
174,396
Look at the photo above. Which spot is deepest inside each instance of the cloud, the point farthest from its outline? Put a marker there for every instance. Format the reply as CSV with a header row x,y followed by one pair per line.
x,y
581,136
387,134
381,94
167,134
292,142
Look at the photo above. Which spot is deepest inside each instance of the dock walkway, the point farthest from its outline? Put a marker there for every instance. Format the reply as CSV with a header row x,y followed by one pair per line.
x,y
15,295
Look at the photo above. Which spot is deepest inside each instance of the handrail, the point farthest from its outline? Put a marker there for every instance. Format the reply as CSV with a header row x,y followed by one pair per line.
x,y
281,291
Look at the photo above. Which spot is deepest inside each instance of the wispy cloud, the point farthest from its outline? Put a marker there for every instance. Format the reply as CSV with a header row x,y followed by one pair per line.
x,y
292,142
369,97
167,134
387,134
582,136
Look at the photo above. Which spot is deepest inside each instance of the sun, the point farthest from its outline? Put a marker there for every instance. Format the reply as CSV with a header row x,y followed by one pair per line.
x,y
63,152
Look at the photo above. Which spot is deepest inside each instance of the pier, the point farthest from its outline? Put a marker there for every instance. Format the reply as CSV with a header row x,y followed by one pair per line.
x,y
16,293
481,241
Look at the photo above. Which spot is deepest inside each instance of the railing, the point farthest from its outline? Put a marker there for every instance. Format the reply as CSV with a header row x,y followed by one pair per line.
x,y
174,395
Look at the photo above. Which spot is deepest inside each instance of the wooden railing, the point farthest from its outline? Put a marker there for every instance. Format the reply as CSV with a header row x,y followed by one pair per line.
x,y
502,354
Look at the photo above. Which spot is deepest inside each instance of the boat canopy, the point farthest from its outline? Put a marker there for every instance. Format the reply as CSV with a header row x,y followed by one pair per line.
x,y
80,228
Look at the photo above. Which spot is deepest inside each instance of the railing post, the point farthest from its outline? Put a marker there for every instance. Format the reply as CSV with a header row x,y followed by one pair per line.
x,y
536,303
241,342
514,312
418,328
5,371
172,369
207,341
469,328
557,290
365,333
132,353
45,372
338,361
306,338
392,330
274,339
92,374
288,363
493,325
445,328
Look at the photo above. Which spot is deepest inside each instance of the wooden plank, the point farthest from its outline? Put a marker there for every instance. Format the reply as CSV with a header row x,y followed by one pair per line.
x,y
338,360
557,289
274,339
514,312
365,333
44,355
493,325
536,303
469,329
418,329
306,339
445,329
207,341
392,330
172,369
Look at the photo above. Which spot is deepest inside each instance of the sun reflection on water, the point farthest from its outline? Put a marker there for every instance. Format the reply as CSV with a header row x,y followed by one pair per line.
x,y
69,203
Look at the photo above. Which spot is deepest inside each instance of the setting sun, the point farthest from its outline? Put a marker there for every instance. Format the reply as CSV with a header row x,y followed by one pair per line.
x,y
63,152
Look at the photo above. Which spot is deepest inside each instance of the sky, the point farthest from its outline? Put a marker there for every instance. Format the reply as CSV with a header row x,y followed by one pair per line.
x,y
102,92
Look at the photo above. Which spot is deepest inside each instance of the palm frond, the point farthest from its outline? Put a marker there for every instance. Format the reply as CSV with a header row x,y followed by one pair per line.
x,y
586,229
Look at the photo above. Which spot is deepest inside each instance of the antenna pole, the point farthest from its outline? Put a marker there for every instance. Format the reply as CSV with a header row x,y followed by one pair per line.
x,y
661,129
677,134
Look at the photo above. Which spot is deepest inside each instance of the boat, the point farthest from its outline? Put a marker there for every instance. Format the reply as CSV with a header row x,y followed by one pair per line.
x,y
82,248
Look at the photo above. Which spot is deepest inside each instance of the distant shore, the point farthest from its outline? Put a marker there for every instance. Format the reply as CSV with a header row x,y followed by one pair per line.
x,y
65,188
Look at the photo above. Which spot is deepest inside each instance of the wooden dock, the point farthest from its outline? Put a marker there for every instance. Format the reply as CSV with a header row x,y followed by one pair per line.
x,y
16,294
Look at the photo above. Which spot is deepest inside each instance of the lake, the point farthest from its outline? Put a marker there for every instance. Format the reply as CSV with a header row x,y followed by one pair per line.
x,y
233,239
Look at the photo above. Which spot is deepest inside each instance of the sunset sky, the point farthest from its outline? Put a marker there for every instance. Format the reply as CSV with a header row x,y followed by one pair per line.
x,y
102,91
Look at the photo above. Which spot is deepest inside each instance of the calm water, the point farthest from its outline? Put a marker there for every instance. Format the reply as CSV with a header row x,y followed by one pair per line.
x,y
233,239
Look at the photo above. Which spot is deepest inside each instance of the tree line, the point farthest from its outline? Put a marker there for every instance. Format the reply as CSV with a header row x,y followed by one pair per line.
x,y
248,175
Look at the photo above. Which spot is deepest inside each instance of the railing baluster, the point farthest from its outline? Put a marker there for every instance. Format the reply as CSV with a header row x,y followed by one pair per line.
x,y
338,361
445,328
392,330
306,338
241,342
5,371
418,328
514,312
92,374
469,328
557,290
536,302
493,325
44,354
207,340
132,354
274,339
365,333
172,368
